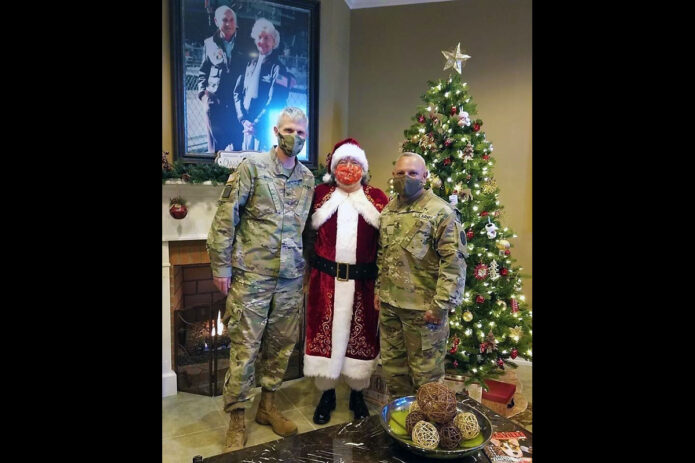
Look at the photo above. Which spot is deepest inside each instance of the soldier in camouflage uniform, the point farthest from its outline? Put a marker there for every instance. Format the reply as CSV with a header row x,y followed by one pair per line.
x,y
257,232
422,274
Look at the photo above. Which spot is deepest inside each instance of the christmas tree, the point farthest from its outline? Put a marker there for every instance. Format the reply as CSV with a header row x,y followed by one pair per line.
x,y
492,326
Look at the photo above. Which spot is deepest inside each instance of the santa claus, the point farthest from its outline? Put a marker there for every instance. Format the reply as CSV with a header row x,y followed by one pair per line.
x,y
341,322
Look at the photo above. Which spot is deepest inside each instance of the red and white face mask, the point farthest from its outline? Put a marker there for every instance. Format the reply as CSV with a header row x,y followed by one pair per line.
x,y
348,174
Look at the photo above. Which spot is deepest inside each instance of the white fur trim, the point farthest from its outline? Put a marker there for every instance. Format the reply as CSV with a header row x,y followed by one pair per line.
x,y
359,202
352,151
358,369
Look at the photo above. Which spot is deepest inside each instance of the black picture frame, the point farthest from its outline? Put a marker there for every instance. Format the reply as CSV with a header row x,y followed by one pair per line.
x,y
193,22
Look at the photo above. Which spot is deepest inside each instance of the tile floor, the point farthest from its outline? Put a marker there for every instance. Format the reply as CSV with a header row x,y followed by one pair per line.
x,y
196,425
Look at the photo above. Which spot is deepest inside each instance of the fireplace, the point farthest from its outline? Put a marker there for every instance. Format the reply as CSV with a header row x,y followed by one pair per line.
x,y
200,346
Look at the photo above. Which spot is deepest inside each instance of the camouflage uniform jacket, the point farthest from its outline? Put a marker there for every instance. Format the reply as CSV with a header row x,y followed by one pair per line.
x,y
260,218
421,256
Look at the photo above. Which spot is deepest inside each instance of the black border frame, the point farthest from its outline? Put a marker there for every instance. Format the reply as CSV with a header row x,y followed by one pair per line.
x,y
313,8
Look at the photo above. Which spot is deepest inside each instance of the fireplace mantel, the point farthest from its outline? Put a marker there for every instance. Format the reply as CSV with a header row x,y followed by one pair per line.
x,y
201,200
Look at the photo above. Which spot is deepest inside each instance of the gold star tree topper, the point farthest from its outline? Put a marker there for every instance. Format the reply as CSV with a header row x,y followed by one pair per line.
x,y
454,59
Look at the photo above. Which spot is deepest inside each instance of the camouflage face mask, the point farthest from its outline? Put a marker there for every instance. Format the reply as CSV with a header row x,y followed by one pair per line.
x,y
407,187
290,144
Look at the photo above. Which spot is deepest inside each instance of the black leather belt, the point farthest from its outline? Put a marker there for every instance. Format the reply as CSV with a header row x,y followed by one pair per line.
x,y
343,271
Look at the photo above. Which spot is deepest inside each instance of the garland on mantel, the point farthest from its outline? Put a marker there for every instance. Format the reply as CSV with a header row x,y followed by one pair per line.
x,y
213,172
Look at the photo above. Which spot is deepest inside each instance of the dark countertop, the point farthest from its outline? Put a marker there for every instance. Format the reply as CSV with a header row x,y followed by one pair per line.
x,y
354,442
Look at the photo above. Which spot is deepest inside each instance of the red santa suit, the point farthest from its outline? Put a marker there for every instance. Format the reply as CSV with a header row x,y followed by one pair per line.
x,y
341,322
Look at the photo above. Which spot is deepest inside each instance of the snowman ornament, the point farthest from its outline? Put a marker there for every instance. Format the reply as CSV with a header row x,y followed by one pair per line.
x,y
491,230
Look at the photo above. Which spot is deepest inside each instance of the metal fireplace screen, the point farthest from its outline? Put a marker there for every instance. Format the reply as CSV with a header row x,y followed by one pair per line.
x,y
202,350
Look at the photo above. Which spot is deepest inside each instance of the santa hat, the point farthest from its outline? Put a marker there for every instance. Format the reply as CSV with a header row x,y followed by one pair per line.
x,y
348,148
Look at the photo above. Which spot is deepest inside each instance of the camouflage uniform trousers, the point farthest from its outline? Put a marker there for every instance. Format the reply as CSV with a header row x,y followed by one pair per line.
x,y
262,314
412,353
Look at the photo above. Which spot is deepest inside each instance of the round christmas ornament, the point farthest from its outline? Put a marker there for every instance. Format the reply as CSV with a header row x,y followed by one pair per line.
x,y
421,119
476,127
502,245
486,157
437,401
450,436
425,435
479,299
412,419
481,271
454,110
500,363
177,208
515,305
467,424
469,234
447,161
456,363
514,353
504,272
436,182
467,315
483,214
507,252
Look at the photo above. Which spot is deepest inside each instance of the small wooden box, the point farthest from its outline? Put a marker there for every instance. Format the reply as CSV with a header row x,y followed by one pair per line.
x,y
499,397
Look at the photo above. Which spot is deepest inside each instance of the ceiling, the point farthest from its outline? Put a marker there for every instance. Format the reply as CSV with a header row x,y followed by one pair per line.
x,y
355,4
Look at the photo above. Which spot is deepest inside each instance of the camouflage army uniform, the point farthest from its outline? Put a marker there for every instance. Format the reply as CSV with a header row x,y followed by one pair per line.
x,y
257,229
422,266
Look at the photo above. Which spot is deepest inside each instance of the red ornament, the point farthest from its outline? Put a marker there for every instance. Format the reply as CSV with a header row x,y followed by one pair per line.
x,y
514,353
456,363
476,127
469,234
178,211
500,363
504,272
448,142
453,110
486,156
483,347
453,350
421,119
483,214
506,252
447,161
515,305
479,299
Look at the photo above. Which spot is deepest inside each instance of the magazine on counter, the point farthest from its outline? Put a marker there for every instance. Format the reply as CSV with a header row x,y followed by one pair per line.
x,y
509,447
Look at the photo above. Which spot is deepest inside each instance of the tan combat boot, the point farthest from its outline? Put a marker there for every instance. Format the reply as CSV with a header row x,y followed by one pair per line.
x,y
236,434
268,414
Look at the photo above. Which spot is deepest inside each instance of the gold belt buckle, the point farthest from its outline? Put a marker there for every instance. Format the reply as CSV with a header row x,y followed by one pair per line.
x,y
347,271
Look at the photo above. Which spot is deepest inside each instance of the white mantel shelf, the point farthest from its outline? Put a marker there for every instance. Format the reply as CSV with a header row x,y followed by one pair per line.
x,y
201,200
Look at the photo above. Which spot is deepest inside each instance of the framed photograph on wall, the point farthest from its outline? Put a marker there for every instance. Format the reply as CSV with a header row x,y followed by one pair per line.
x,y
235,65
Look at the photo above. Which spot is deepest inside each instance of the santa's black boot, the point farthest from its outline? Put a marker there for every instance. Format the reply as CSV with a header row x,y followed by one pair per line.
x,y
322,414
357,405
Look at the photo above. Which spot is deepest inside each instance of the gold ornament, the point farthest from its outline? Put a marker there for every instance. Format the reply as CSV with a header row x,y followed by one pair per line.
x,y
490,186
468,424
502,304
436,182
467,315
425,435
515,332
502,245
455,59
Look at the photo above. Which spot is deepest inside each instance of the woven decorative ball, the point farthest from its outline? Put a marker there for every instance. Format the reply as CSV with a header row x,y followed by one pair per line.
x,y
414,406
425,435
412,419
449,436
468,424
437,401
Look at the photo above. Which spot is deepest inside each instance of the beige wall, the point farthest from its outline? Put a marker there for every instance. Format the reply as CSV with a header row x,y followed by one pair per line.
x,y
334,52
395,50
